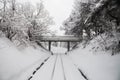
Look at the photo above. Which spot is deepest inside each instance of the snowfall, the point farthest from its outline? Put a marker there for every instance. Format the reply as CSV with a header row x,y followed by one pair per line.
x,y
35,63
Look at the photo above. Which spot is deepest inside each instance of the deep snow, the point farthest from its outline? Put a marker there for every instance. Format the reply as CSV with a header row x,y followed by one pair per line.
x,y
96,62
14,63
97,67
21,64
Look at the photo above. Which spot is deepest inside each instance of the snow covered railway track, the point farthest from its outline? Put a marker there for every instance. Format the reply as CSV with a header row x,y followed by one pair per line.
x,y
58,54
71,71
38,68
54,68
58,67
85,77
81,72
63,68
44,71
58,72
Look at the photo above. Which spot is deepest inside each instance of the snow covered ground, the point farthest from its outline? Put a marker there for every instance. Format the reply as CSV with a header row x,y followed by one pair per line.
x,y
58,67
36,64
58,50
14,63
26,64
96,62
97,67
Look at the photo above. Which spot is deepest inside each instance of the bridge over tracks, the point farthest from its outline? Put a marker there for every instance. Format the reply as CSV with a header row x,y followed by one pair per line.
x,y
50,39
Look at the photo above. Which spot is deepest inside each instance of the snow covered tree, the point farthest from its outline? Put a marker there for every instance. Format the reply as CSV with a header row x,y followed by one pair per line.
x,y
26,18
104,14
96,16
75,23
105,18
39,19
7,13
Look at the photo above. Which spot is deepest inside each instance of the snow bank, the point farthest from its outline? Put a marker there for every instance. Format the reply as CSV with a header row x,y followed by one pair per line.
x,y
95,62
104,43
14,63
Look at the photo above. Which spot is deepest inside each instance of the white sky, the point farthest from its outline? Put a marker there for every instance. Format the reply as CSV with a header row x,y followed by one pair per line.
x,y
58,9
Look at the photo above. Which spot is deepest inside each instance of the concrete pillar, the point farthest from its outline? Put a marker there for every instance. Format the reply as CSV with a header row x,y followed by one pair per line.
x,y
68,46
49,45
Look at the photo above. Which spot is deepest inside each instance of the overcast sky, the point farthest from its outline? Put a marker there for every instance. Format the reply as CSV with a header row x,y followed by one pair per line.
x,y
58,9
